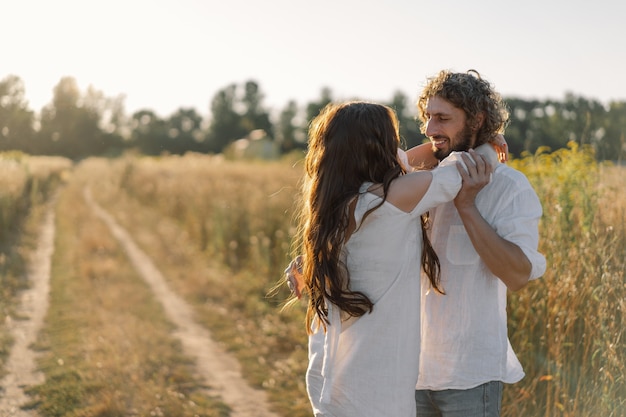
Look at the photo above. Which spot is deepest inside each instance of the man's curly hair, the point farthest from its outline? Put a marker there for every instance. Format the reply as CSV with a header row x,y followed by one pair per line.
x,y
470,93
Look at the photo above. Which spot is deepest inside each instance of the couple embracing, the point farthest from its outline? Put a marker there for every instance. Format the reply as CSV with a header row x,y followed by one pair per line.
x,y
406,257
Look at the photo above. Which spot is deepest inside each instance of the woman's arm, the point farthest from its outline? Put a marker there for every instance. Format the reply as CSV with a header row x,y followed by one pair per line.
x,y
422,157
407,191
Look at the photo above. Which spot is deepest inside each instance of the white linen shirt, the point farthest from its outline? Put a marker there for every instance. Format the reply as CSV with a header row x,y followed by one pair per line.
x,y
367,367
464,332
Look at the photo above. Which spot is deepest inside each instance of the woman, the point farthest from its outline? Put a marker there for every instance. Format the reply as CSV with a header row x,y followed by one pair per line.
x,y
362,242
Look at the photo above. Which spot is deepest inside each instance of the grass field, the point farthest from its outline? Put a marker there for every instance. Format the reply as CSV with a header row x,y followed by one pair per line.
x,y
221,234
26,182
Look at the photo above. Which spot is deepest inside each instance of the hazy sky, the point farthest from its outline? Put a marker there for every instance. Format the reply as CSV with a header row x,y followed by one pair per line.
x,y
167,54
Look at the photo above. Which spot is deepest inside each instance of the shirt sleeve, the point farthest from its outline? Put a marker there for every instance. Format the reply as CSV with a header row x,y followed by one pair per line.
x,y
445,185
518,223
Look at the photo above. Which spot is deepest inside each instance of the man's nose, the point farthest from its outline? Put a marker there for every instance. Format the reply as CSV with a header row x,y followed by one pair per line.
x,y
431,128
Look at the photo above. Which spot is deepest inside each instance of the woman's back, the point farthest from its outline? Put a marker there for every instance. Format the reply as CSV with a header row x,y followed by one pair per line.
x,y
361,262
368,365
363,364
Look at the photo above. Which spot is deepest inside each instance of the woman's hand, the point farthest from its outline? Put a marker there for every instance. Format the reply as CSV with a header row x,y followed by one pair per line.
x,y
294,278
499,144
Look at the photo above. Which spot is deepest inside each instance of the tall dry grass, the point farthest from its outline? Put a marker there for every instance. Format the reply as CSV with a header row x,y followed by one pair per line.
x,y
26,181
226,271
566,327
239,212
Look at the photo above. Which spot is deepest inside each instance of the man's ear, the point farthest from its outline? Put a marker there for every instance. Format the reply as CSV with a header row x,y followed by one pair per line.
x,y
478,122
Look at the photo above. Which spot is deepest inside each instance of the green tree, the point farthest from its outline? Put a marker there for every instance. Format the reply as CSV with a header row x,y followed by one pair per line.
x,y
519,133
226,123
586,121
255,115
314,107
149,132
112,123
60,120
534,124
554,123
288,133
16,120
184,129
234,115
70,124
407,116
611,143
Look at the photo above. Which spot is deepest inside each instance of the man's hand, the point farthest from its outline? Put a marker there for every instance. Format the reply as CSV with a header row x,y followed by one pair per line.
x,y
478,175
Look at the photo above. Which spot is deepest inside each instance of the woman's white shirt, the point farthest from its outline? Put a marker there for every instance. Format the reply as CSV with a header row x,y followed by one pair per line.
x,y
370,368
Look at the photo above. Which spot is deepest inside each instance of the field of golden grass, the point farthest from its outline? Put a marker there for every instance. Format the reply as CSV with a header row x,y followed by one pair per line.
x,y
107,348
221,233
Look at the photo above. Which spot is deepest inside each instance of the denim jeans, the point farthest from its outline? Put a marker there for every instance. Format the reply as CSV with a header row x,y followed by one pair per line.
x,y
482,401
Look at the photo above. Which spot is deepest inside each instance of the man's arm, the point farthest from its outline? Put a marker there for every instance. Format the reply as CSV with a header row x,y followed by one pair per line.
x,y
504,259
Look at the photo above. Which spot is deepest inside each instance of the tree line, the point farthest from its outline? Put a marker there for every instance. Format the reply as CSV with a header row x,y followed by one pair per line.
x,y
79,124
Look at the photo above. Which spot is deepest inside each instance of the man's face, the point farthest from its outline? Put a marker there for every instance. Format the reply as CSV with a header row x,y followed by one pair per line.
x,y
446,127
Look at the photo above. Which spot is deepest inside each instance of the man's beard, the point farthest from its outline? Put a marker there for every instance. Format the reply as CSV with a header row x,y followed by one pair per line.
x,y
463,142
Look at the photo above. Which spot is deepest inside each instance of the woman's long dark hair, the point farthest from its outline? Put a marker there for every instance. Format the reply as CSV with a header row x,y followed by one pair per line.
x,y
349,144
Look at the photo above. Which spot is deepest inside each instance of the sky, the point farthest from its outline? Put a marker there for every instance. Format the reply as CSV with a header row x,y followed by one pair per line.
x,y
164,55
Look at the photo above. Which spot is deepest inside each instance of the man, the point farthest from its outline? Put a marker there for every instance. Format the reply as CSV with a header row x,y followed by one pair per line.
x,y
487,243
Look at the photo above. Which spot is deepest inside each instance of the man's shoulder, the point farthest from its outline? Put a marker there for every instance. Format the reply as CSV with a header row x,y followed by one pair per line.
x,y
505,172
507,183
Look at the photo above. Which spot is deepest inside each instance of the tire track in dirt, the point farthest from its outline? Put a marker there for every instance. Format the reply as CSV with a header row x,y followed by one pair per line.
x,y
21,367
217,367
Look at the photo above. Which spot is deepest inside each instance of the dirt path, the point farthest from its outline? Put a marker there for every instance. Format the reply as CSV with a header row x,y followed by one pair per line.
x,y
21,368
218,368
